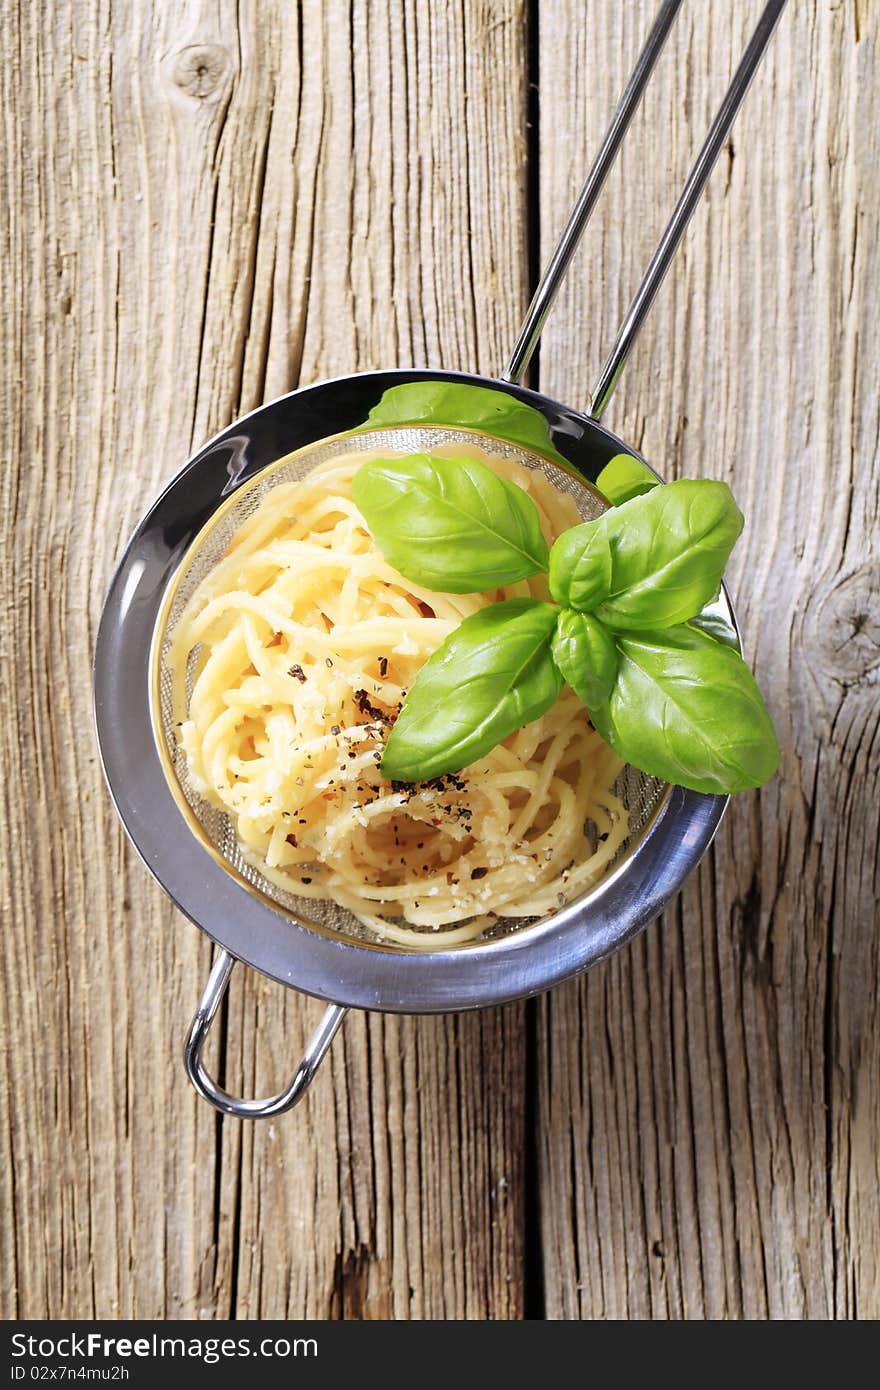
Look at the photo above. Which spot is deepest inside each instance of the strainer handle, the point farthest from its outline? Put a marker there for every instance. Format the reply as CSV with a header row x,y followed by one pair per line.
x,y
210,1091
684,208
554,272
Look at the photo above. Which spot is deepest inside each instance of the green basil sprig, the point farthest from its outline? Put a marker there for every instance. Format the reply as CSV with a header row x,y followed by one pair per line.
x,y
663,680
450,524
654,561
493,674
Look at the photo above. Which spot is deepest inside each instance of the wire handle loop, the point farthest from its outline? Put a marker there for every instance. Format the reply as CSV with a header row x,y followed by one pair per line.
x,y
209,1089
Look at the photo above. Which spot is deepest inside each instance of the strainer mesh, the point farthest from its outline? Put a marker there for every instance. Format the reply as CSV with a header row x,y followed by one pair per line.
x,y
639,793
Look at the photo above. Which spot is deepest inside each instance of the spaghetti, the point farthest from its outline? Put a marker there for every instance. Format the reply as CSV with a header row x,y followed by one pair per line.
x,y
289,664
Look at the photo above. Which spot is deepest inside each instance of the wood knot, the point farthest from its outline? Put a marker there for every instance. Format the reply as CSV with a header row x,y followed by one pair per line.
x,y
842,627
200,71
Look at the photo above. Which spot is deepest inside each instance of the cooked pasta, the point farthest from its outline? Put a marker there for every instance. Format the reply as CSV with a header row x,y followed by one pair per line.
x,y
289,664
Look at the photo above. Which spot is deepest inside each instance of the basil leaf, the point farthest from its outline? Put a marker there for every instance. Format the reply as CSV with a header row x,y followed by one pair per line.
x,y
717,625
581,566
450,523
686,709
585,653
624,477
493,674
667,549
473,407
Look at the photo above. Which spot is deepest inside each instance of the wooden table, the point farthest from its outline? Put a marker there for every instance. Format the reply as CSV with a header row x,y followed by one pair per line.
x,y
206,205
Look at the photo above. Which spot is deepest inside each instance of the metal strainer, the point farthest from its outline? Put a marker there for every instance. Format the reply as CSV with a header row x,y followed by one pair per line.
x,y
191,846
639,793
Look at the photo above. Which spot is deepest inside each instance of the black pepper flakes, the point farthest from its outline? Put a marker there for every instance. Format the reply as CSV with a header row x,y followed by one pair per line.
x,y
297,672
365,706
383,666
479,873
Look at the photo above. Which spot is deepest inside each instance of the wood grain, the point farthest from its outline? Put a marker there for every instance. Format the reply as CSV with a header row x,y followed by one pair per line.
x,y
208,204
205,205
709,1099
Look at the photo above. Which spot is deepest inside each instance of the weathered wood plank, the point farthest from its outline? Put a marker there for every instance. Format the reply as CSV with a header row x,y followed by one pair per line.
x,y
205,206
708,1097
